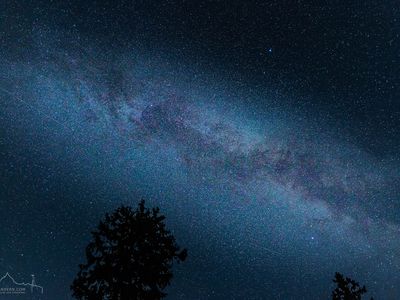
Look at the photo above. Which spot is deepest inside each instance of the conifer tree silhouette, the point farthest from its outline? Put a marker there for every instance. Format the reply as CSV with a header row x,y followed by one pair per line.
x,y
130,257
347,288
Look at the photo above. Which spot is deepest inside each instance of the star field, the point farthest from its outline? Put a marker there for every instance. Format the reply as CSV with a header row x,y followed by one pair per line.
x,y
270,140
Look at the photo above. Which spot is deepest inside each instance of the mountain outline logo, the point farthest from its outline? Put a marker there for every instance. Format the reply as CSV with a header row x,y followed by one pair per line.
x,y
19,287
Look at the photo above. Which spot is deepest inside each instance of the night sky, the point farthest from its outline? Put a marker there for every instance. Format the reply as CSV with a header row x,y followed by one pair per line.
x,y
268,132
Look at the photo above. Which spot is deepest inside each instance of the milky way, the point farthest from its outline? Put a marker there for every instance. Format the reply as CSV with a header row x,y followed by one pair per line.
x,y
286,188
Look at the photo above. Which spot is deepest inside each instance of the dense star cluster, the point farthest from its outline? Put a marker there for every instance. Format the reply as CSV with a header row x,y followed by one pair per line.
x,y
268,133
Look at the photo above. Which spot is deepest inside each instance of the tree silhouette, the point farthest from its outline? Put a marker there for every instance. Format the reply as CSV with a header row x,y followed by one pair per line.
x,y
347,288
130,257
